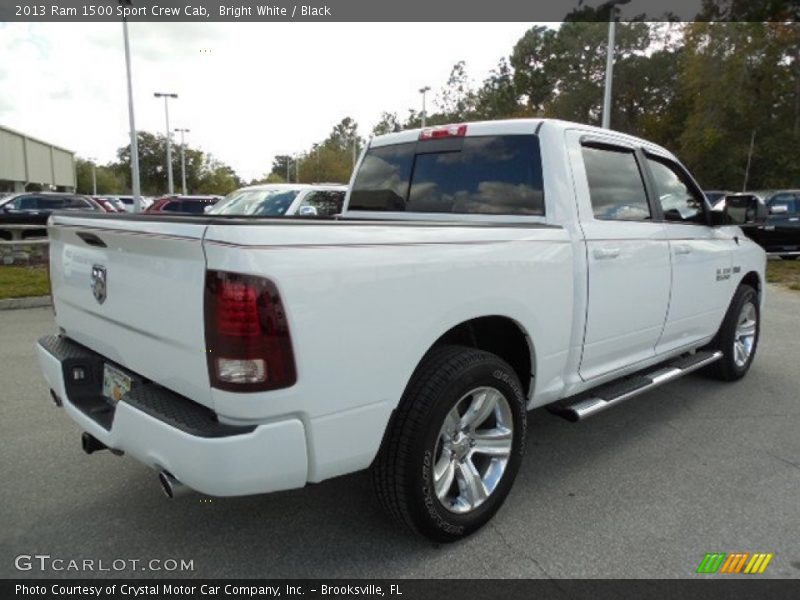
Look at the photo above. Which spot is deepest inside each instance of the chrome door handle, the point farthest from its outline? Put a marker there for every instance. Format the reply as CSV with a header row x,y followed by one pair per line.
x,y
605,253
683,249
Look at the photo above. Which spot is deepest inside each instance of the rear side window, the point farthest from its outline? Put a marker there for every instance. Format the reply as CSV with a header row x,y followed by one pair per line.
x,y
172,206
194,206
481,175
616,186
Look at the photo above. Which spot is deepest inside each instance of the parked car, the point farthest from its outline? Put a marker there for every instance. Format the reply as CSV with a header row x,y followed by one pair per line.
x,y
106,204
126,204
477,271
183,204
283,200
34,208
780,233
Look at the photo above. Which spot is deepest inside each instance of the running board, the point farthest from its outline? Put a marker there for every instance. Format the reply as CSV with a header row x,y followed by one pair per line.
x,y
616,392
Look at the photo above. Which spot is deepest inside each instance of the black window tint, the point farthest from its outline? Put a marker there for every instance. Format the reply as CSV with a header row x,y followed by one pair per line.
x,y
488,175
679,200
193,206
45,203
172,206
382,181
482,174
616,187
76,204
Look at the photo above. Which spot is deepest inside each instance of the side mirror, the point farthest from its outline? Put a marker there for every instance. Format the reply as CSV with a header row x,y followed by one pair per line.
x,y
307,211
743,209
778,209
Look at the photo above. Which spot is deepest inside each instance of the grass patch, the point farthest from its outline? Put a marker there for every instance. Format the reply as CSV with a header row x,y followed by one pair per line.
x,y
20,282
785,273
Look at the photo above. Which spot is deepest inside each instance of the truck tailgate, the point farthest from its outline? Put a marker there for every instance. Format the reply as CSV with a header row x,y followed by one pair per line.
x,y
150,318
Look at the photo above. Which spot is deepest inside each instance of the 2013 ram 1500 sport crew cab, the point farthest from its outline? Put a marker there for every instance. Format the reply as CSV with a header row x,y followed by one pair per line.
x,y
478,271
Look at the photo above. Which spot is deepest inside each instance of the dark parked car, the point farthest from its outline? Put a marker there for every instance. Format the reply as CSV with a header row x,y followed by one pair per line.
x,y
780,233
183,204
33,208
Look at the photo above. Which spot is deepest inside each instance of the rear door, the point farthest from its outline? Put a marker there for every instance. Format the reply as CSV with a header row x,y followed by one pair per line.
x,y
627,255
147,312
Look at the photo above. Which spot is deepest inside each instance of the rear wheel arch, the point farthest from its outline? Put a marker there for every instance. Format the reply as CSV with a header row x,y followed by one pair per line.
x,y
500,335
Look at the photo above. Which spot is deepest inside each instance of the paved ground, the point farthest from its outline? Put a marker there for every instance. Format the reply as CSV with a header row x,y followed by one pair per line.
x,y
643,490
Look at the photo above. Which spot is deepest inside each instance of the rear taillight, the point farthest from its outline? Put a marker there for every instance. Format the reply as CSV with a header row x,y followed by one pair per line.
x,y
247,336
446,131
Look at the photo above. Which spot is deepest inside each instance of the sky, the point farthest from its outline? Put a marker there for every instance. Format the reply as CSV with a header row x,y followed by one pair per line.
x,y
247,91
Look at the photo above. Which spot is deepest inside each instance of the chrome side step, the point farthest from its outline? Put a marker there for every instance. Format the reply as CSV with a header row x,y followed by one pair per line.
x,y
616,392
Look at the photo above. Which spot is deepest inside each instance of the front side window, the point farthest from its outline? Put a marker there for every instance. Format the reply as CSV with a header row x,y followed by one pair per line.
x,y
679,199
499,175
616,187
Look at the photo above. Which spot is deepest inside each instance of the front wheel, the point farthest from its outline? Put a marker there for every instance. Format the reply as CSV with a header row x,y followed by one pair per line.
x,y
738,336
455,444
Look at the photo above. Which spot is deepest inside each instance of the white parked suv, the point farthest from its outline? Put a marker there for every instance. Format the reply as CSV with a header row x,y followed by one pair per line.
x,y
477,271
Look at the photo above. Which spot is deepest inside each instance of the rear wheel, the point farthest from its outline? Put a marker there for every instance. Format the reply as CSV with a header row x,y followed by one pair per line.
x,y
453,450
738,336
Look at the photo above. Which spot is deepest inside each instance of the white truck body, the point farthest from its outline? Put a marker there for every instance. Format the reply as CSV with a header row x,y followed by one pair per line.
x,y
365,298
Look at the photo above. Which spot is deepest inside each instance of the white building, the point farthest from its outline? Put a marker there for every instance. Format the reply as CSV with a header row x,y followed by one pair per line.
x,y
25,160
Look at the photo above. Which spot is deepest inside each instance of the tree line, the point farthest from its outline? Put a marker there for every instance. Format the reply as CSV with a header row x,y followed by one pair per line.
x,y
714,93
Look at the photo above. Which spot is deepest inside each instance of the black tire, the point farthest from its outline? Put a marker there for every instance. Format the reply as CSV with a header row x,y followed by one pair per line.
x,y
403,471
727,368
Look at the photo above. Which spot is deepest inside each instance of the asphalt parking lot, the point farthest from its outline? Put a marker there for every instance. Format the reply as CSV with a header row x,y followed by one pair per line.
x,y
643,490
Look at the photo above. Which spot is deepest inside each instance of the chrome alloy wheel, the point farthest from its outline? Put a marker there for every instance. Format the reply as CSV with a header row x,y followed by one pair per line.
x,y
745,337
473,449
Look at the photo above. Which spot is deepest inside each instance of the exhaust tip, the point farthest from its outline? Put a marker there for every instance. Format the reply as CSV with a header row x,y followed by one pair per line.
x,y
171,487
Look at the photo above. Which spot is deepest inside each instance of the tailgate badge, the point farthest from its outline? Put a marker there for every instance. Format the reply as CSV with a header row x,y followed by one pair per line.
x,y
99,283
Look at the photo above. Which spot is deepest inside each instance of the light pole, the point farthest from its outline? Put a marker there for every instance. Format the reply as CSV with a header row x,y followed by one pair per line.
x,y
183,159
423,91
613,14
288,166
296,169
166,96
135,189
94,176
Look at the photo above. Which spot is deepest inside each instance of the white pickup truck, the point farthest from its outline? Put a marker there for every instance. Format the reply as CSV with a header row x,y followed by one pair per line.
x,y
478,271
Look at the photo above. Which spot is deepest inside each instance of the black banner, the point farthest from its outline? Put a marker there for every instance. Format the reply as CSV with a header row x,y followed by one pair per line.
x,y
403,589
392,10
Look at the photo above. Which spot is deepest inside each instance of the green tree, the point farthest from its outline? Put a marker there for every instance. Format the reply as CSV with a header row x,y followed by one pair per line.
x,y
108,182
389,123
741,79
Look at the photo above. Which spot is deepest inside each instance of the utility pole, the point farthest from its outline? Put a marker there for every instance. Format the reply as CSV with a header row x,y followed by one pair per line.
x,y
135,189
94,176
166,96
288,167
613,7
296,169
183,159
423,91
749,159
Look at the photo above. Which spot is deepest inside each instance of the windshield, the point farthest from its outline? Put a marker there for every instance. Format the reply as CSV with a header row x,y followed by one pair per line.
x,y
272,203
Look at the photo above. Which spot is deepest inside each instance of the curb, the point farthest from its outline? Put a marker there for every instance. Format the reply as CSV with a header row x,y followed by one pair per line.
x,y
31,302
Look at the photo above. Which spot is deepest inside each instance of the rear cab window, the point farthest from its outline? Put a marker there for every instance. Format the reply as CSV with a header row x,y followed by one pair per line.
x,y
491,174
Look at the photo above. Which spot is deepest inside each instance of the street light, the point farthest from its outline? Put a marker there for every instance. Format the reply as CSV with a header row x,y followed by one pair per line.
x,y
423,91
166,96
183,159
135,189
94,176
613,14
